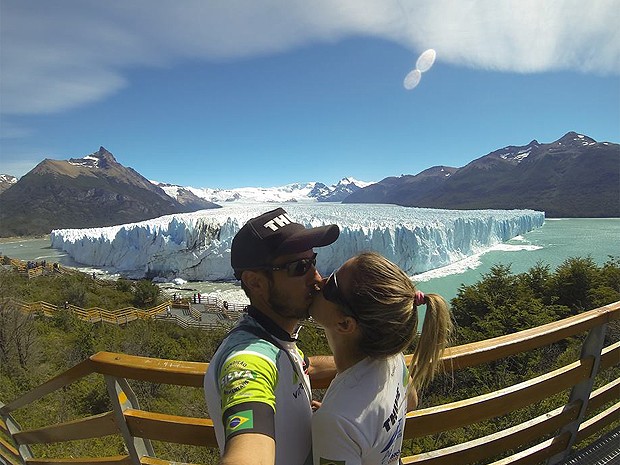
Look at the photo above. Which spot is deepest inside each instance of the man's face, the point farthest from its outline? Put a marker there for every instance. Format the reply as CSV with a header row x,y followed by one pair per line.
x,y
290,295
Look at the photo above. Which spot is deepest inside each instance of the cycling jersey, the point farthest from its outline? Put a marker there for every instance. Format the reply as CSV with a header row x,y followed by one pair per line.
x,y
362,418
260,385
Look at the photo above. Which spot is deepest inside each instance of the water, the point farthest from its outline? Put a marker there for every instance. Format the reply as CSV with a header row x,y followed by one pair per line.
x,y
556,241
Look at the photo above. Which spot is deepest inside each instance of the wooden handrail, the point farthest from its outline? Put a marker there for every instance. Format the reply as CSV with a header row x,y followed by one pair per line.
x,y
80,370
115,460
507,439
91,427
133,423
94,314
161,371
477,353
465,412
188,430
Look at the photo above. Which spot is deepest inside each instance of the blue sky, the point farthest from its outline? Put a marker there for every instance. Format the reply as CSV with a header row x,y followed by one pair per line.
x,y
266,93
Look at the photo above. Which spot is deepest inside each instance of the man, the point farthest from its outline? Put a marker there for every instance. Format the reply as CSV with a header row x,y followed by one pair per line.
x,y
257,386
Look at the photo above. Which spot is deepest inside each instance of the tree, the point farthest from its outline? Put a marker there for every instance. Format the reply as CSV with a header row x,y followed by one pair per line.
x,y
18,337
145,294
573,280
537,279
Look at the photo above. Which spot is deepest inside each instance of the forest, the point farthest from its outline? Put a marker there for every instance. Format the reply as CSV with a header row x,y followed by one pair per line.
x,y
35,348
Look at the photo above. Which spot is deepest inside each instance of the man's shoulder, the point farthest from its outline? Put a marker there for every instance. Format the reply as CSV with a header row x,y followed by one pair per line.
x,y
243,342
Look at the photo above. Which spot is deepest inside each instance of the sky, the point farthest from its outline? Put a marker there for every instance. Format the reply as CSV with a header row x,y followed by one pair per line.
x,y
265,93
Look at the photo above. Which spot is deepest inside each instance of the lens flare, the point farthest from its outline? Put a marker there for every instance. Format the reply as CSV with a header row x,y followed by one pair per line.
x,y
426,60
412,79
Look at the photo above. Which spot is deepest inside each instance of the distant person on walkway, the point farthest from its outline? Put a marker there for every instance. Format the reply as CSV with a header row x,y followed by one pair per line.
x,y
257,386
369,311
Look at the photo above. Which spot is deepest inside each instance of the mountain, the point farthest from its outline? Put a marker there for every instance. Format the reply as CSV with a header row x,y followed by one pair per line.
x,y
92,191
6,181
574,177
297,192
185,196
338,192
390,189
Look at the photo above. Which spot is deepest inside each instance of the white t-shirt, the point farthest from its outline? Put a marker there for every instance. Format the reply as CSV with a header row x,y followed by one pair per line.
x,y
362,418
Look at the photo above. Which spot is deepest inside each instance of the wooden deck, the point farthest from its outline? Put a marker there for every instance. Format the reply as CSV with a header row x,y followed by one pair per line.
x,y
548,437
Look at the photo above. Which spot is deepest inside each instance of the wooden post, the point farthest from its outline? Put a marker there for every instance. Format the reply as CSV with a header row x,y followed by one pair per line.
x,y
592,347
123,398
24,450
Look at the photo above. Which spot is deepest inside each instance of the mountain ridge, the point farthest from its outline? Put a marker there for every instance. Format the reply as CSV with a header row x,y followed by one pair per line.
x,y
294,192
574,176
92,191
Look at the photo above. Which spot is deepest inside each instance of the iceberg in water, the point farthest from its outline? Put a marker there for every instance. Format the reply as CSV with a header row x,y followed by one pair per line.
x,y
196,246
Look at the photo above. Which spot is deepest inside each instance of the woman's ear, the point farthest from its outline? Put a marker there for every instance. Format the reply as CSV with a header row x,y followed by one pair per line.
x,y
346,325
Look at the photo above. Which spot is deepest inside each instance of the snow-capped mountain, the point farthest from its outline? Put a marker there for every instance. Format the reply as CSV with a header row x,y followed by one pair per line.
x,y
296,192
6,181
573,177
338,192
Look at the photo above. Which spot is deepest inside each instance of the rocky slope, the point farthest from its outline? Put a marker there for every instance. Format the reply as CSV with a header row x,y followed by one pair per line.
x,y
574,176
92,191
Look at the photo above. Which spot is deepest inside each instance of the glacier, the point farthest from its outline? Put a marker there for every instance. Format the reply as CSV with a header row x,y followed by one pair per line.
x,y
196,246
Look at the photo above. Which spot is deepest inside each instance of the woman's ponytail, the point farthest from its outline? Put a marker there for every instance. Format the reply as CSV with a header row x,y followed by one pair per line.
x,y
434,338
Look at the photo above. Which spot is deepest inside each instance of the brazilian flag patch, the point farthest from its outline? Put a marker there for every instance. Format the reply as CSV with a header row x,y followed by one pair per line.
x,y
323,461
240,421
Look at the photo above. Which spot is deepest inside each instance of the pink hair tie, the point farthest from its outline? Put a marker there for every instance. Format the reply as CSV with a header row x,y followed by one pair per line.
x,y
420,298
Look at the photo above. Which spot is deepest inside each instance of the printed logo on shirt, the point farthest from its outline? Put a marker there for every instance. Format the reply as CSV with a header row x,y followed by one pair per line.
x,y
298,391
392,449
323,461
387,424
237,375
239,421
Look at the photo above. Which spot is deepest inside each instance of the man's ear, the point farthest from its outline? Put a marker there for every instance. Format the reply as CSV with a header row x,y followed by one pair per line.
x,y
346,325
253,280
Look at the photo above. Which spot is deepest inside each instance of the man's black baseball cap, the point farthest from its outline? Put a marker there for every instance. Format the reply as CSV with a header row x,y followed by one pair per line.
x,y
273,234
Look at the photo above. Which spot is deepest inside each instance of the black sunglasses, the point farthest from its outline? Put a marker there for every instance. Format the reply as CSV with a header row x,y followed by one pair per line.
x,y
332,292
297,267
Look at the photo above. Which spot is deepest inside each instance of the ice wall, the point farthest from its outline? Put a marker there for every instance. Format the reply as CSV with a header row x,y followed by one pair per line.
x,y
196,246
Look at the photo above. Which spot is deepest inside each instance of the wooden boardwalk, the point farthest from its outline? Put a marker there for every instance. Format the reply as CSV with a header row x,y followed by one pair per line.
x,y
549,436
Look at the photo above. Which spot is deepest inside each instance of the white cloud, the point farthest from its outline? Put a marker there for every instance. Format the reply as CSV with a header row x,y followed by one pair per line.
x,y
59,55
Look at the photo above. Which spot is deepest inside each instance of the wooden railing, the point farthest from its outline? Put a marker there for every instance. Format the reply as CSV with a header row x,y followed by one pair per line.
x,y
547,438
93,314
124,315
30,268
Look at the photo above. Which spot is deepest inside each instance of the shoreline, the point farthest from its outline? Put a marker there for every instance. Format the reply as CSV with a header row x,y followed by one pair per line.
x,y
7,240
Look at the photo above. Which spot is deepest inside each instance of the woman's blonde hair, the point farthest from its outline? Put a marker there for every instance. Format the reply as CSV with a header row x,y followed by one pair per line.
x,y
384,301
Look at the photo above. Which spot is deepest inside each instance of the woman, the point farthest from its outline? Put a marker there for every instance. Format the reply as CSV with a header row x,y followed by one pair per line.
x,y
368,309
